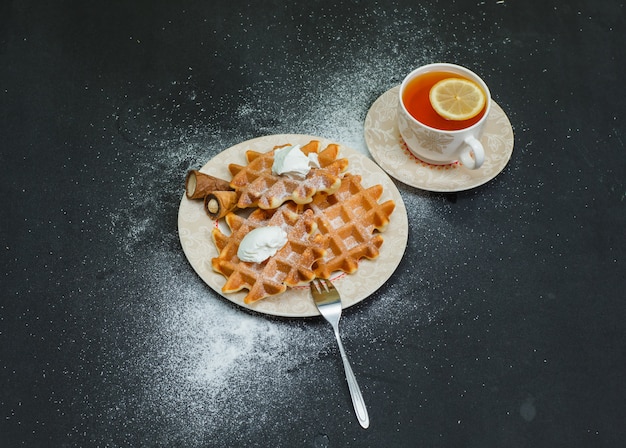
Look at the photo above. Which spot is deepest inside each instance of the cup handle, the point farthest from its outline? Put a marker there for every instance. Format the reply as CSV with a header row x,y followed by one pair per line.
x,y
474,156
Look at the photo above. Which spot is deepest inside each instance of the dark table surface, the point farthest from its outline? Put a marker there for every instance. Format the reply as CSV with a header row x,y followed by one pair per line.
x,y
502,326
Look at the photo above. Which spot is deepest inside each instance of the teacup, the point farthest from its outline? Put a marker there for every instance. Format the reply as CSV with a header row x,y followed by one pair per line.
x,y
430,137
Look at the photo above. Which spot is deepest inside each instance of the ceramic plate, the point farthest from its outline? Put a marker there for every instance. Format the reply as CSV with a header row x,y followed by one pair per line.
x,y
390,152
194,227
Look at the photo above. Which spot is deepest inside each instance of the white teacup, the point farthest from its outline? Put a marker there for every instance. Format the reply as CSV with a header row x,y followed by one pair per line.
x,y
440,146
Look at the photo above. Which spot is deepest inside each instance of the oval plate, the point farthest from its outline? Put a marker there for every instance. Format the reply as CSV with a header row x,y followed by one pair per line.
x,y
195,227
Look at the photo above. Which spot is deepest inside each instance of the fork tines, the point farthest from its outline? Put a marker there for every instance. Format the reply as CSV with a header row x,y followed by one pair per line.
x,y
322,285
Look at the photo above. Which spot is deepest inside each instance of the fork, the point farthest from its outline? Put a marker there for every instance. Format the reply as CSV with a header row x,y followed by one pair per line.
x,y
328,302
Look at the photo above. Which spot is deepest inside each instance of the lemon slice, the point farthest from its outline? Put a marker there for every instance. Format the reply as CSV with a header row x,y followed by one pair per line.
x,y
457,99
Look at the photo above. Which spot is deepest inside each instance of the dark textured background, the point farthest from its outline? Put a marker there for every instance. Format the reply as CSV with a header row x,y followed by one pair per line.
x,y
503,326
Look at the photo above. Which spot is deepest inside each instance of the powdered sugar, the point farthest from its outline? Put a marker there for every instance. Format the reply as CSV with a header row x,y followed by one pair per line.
x,y
208,369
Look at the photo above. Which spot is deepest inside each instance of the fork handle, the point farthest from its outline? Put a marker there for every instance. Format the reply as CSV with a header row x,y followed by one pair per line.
x,y
353,386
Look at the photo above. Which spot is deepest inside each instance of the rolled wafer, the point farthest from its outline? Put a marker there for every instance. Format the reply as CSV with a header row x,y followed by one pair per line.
x,y
198,185
218,203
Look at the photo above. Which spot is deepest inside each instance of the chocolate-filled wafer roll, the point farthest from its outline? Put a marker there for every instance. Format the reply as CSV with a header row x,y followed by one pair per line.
x,y
218,203
198,185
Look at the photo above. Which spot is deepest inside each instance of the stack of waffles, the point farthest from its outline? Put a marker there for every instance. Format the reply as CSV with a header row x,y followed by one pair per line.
x,y
331,221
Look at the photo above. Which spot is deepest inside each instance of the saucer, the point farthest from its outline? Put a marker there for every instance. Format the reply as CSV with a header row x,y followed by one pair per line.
x,y
390,152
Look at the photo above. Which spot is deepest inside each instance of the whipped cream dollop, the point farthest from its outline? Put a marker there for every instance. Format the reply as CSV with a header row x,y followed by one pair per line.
x,y
292,162
261,243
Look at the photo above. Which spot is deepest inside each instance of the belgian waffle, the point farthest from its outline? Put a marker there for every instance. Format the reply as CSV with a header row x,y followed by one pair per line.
x,y
257,186
351,220
290,266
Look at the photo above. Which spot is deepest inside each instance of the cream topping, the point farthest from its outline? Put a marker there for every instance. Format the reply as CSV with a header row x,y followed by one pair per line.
x,y
261,243
292,162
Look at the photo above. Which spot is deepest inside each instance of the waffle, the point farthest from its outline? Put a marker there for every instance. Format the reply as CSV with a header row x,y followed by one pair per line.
x,y
351,220
258,187
290,266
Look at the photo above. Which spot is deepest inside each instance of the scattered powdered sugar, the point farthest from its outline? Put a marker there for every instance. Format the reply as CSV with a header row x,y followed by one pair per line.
x,y
184,366
218,363
207,369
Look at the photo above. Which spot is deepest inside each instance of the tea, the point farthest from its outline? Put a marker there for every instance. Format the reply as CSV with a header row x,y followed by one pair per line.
x,y
416,101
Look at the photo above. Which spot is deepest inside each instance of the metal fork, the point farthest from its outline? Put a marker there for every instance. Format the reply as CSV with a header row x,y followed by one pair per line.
x,y
328,303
